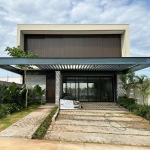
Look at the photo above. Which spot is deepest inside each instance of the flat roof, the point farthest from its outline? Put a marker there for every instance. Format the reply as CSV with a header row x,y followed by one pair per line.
x,y
94,28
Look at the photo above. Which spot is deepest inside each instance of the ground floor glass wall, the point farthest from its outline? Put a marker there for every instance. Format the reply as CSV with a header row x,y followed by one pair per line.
x,y
89,88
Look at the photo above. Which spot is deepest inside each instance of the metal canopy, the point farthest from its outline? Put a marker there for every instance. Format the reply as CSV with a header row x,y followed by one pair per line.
x,y
73,61
78,64
87,67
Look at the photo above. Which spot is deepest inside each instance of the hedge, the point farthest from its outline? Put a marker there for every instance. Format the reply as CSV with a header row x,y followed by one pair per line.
x,y
41,131
130,104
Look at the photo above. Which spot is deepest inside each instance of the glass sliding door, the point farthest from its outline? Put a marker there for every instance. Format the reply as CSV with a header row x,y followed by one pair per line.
x,y
71,87
98,89
106,89
93,89
83,95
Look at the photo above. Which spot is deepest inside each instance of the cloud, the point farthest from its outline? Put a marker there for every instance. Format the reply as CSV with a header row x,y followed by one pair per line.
x,y
133,12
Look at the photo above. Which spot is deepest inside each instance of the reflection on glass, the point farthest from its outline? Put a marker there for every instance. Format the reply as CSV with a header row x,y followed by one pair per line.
x,y
106,89
71,89
64,87
89,88
83,96
77,91
93,89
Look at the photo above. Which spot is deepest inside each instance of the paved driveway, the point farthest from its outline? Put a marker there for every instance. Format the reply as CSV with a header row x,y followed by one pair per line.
x,y
108,124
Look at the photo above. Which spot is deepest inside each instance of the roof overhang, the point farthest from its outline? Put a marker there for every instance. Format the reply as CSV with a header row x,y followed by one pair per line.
x,y
122,64
72,28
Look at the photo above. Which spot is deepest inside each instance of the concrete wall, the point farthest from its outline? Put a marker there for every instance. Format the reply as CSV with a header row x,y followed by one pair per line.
x,y
12,79
139,98
130,93
122,29
9,83
33,80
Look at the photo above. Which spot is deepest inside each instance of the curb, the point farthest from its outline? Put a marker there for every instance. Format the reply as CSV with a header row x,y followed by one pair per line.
x,y
56,115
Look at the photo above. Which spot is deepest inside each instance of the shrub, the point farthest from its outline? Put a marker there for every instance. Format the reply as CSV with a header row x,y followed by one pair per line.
x,y
148,115
12,98
40,132
7,109
125,101
140,110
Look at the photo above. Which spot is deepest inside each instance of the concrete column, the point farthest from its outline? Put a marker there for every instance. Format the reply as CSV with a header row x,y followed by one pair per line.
x,y
58,86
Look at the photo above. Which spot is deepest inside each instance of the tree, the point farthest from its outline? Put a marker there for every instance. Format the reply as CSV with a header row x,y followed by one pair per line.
x,y
143,85
129,80
124,79
19,53
132,81
38,92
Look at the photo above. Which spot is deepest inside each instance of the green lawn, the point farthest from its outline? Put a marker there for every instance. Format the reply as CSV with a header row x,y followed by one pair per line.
x,y
12,118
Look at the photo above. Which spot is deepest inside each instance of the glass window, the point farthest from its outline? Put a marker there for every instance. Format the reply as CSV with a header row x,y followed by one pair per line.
x,y
94,89
83,95
71,87
89,88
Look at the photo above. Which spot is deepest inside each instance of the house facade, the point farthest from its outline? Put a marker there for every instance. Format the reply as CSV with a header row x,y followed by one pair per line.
x,y
86,82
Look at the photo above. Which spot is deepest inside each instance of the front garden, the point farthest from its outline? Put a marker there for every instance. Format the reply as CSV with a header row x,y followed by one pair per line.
x,y
140,85
13,98
131,105
8,120
137,87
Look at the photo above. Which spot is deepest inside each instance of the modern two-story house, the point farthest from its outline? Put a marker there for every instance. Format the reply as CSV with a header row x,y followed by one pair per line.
x,y
81,61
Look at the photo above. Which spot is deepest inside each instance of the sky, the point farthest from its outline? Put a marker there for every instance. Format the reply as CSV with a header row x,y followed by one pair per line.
x,y
136,13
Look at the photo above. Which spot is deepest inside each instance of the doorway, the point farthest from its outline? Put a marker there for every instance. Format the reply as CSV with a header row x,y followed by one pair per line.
x,y
50,89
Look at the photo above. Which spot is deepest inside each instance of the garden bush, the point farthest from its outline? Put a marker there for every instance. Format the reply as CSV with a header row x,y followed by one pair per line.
x,y
7,109
12,98
125,101
140,110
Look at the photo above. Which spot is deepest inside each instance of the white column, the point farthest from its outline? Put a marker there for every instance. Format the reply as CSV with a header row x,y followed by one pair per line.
x,y
58,87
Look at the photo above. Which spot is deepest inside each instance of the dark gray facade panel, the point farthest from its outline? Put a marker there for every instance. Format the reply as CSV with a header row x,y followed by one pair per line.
x,y
74,46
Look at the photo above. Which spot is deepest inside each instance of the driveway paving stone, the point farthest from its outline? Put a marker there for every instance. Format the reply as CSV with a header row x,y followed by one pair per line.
x,y
25,127
110,124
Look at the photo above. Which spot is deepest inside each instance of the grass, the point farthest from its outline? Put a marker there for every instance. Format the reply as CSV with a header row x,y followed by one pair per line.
x,y
12,118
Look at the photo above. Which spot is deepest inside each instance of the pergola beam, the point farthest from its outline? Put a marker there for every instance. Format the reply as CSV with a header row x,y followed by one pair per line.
x,y
72,61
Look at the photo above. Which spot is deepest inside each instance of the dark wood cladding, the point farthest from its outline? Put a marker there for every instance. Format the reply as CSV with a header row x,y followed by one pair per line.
x,y
108,45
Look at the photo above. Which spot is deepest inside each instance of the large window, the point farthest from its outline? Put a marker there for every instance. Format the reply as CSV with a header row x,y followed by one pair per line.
x,y
89,88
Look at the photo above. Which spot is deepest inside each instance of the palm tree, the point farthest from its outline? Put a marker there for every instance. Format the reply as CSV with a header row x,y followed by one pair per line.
x,y
132,81
124,79
143,86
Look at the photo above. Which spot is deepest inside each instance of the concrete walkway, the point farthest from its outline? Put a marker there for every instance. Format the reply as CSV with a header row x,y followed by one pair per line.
x,y
110,124
25,127
26,144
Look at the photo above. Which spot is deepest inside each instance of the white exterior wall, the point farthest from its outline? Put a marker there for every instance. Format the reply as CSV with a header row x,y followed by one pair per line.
x,y
33,80
12,79
139,98
130,93
9,83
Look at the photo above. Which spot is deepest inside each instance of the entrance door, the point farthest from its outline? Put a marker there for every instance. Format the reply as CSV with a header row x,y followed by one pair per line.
x,y
50,89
